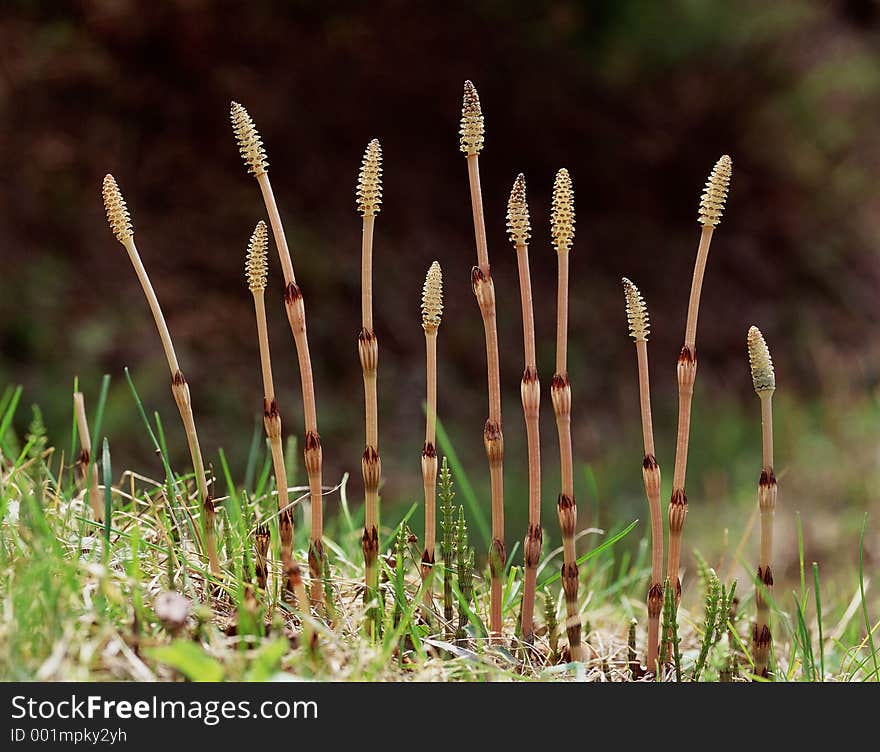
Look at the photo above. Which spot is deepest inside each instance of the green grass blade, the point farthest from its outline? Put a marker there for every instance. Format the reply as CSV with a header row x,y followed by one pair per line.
x,y
607,543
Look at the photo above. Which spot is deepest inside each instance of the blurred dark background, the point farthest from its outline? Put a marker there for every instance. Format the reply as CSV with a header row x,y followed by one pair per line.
x,y
638,99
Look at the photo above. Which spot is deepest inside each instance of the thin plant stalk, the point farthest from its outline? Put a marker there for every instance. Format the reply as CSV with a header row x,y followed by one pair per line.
x,y
471,144
256,271
764,382
120,223
562,233
432,311
90,467
519,229
369,202
711,208
639,329
254,155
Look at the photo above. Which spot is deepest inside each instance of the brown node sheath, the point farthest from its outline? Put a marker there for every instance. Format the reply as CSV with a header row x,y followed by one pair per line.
x,y
120,223
562,226
471,143
639,329
254,156
711,208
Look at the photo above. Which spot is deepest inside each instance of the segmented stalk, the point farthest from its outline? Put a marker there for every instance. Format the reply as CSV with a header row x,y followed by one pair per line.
x,y
120,223
471,144
764,382
256,269
432,311
519,229
639,328
711,208
562,233
254,155
369,202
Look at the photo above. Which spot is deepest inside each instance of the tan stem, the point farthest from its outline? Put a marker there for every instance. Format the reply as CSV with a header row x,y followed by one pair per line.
x,y
180,390
368,350
296,316
429,452
530,392
767,490
263,340
566,508
652,480
484,291
473,163
90,467
645,396
562,314
153,302
690,335
367,273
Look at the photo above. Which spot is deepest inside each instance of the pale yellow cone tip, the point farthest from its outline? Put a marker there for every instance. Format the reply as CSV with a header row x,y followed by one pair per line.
x,y
518,226
432,298
256,268
636,312
249,143
562,212
715,193
472,124
763,376
117,211
369,187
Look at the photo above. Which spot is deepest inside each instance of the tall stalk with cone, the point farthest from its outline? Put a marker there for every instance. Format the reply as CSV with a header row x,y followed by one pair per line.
x,y
471,143
432,311
256,270
711,208
639,328
764,381
254,155
369,202
120,223
562,234
519,230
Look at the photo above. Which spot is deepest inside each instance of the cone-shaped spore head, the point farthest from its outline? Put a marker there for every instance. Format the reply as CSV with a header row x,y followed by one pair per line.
x,y
763,375
472,125
636,312
562,212
369,187
715,193
256,266
518,226
249,143
117,211
432,298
